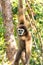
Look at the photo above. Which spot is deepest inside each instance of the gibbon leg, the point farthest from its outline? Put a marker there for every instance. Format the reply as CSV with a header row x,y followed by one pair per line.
x,y
23,57
18,56
19,52
28,51
27,59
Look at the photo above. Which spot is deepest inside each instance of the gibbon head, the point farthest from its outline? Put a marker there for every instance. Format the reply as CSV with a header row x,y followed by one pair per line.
x,y
22,30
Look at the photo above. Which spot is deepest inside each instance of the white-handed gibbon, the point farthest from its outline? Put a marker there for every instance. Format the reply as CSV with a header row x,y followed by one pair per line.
x,y
25,38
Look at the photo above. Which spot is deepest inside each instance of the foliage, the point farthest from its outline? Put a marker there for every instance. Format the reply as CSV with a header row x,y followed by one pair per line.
x,y
37,35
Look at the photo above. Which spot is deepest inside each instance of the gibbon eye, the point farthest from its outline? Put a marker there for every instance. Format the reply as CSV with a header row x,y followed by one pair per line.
x,y
20,31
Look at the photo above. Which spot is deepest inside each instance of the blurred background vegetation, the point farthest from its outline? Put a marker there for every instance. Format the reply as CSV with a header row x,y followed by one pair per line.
x,y
37,35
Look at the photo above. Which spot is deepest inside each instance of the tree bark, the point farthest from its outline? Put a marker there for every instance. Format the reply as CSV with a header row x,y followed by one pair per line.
x,y
9,27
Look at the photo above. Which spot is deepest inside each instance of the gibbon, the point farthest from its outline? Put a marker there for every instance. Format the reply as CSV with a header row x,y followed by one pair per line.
x,y
25,38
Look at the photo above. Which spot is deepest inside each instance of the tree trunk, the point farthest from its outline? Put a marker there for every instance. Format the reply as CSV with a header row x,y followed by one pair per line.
x,y
9,34
0,8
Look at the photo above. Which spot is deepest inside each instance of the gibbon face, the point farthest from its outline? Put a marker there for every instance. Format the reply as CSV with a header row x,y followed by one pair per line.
x,y
22,30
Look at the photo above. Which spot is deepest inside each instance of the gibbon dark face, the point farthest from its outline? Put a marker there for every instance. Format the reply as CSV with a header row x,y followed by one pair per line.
x,y
22,30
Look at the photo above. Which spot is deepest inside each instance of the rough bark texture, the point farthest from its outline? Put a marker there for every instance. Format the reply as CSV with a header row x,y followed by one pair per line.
x,y
9,34
0,8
